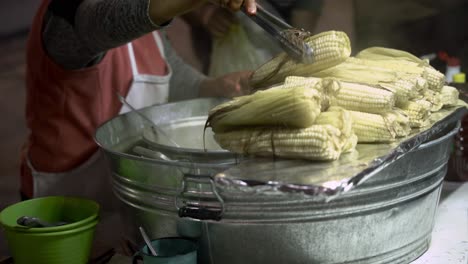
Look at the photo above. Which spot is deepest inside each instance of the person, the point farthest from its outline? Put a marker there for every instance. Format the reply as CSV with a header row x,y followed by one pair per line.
x,y
81,54
212,22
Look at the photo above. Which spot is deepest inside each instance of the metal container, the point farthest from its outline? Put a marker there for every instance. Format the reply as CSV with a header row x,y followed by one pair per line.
x,y
387,219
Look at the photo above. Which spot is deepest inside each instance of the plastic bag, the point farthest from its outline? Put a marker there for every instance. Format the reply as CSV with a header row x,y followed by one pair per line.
x,y
234,52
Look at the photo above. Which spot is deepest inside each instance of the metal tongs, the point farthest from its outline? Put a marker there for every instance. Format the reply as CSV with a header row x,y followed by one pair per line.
x,y
289,38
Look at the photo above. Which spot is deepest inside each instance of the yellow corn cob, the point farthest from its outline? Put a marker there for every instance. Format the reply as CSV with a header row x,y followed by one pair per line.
x,y
330,48
403,85
323,141
380,53
360,97
298,81
350,144
318,142
421,85
371,128
357,73
449,96
418,112
434,78
390,64
350,96
298,107
399,122
341,119
325,88
434,98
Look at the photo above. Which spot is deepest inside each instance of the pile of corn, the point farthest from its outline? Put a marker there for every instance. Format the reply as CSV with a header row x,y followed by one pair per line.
x,y
319,111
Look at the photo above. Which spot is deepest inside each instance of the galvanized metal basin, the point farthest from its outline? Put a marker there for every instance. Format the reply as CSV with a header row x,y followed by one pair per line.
x,y
388,219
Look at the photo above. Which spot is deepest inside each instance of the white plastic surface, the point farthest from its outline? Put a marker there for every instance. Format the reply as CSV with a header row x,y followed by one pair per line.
x,y
450,236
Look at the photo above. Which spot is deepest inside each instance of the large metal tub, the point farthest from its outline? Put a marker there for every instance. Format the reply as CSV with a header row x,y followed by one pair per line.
x,y
387,219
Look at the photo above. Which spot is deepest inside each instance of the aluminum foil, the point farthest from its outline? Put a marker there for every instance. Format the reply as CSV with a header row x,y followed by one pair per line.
x,y
330,179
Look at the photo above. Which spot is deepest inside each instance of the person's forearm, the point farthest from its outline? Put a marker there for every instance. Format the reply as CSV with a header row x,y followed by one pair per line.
x,y
106,24
99,25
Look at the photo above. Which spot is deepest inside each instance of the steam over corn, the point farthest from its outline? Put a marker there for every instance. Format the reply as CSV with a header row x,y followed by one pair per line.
x,y
321,110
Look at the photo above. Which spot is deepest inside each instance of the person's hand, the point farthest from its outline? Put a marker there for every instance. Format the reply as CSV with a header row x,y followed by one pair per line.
x,y
163,11
218,21
228,86
236,5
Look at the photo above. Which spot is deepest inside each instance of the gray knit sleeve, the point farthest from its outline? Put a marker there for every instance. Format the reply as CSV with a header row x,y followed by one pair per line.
x,y
185,81
100,25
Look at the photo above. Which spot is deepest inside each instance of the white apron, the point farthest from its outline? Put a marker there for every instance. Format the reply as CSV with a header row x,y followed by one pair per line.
x,y
92,178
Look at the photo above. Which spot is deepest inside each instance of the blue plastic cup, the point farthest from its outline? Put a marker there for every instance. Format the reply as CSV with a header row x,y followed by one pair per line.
x,y
169,251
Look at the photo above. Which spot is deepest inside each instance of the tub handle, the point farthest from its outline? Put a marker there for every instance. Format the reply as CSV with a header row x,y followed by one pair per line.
x,y
199,211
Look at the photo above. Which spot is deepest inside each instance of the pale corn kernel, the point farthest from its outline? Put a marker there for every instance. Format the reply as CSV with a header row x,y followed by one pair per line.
x,y
370,128
330,48
434,98
318,142
449,96
418,112
435,79
350,96
363,98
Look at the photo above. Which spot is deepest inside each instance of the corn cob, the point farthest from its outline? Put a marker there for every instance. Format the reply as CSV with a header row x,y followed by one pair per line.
x,y
360,97
330,49
390,64
337,117
311,83
350,96
422,85
435,99
357,73
298,107
321,141
449,96
350,144
399,122
435,79
317,142
418,112
371,128
341,119
380,53
403,85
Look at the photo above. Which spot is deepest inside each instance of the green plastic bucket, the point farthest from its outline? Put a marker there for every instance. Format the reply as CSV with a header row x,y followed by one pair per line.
x,y
76,211
69,243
